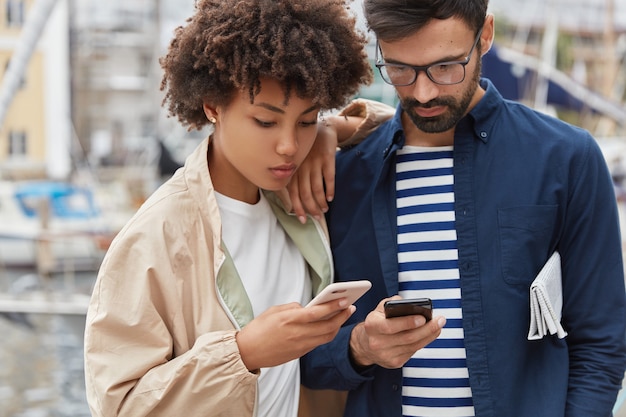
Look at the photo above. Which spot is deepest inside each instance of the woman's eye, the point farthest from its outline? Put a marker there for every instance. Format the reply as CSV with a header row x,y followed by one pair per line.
x,y
264,124
308,124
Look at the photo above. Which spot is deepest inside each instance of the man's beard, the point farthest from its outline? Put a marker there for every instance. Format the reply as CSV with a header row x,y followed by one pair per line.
x,y
449,119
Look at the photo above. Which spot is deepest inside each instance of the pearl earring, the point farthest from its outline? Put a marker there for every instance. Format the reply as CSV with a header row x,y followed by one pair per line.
x,y
212,120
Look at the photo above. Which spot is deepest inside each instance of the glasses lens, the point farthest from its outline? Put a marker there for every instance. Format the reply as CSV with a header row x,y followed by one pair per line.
x,y
397,74
401,75
447,73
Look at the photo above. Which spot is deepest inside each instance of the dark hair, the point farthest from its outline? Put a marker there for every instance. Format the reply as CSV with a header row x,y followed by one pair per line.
x,y
310,46
396,19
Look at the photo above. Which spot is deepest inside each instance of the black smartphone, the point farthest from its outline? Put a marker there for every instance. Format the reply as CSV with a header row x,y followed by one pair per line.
x,y
409,307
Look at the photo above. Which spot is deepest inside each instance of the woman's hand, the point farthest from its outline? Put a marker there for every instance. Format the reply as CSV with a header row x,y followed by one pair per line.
x,y
313,184
286,332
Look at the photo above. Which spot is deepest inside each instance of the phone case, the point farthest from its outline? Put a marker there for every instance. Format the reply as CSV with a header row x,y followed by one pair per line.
x,y
352,290
409,307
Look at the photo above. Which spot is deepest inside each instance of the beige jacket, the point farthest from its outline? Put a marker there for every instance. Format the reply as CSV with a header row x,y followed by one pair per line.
x,y
167,303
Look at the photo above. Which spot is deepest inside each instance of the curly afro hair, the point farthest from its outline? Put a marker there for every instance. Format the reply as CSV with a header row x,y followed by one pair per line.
x,y
311,46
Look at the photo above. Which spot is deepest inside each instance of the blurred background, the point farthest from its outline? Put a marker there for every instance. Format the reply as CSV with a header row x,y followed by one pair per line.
x,y
84,140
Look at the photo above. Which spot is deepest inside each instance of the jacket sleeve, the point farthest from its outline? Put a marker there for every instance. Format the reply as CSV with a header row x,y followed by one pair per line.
x,y
373,114
594,312
142,358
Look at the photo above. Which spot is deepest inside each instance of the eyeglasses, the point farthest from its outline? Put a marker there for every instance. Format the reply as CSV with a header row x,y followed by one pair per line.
x,y
444,73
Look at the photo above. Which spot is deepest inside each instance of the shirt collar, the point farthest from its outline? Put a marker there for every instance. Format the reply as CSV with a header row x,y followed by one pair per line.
x,y
483,114
481,117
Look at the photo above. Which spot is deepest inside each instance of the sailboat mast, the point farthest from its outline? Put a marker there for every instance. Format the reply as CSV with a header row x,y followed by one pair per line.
x,y
35,23
609,63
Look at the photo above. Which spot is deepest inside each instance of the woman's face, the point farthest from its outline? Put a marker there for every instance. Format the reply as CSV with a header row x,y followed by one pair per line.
x,y
260,144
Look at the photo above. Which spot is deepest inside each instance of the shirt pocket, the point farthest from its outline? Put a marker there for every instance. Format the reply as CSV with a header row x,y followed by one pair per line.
x,y
525,240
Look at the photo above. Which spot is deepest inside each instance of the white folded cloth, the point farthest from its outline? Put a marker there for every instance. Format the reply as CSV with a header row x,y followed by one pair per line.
x,y
546,301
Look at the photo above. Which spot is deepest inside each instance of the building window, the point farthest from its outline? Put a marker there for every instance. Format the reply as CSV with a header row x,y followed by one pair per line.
x,y
15,13
17,143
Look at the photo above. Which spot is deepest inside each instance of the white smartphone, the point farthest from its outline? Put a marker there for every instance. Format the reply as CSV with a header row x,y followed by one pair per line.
x,y
351,290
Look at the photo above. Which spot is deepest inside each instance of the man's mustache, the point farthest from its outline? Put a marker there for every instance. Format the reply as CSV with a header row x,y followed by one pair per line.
x,y
439,101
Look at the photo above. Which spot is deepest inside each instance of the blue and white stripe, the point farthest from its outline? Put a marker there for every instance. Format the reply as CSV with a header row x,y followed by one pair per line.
x,y
435,380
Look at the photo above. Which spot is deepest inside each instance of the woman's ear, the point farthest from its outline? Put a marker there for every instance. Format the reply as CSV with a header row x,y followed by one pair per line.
x,y
486,38
210,113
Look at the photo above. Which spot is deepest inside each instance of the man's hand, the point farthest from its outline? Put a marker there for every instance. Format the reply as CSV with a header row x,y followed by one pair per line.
x,y
288,331
390,343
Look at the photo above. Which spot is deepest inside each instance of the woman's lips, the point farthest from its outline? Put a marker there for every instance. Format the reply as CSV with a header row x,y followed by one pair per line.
x,y
283,171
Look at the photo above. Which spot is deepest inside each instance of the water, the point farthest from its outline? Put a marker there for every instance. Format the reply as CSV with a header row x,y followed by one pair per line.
x,y
41,362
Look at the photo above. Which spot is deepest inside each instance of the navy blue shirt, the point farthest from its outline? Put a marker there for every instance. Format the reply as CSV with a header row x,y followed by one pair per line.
x,y
525,185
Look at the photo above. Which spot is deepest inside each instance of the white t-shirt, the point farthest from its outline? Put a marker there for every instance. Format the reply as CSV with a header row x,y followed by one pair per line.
x,y
273,272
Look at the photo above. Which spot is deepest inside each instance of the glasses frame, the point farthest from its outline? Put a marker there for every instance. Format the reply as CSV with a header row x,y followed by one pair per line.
x,y
424,68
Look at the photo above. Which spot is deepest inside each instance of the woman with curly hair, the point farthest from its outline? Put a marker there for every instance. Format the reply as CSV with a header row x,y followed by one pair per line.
x,y
197,309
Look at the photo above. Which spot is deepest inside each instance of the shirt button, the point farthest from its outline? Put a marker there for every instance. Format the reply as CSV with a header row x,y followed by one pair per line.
x,y
483,134
394,387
